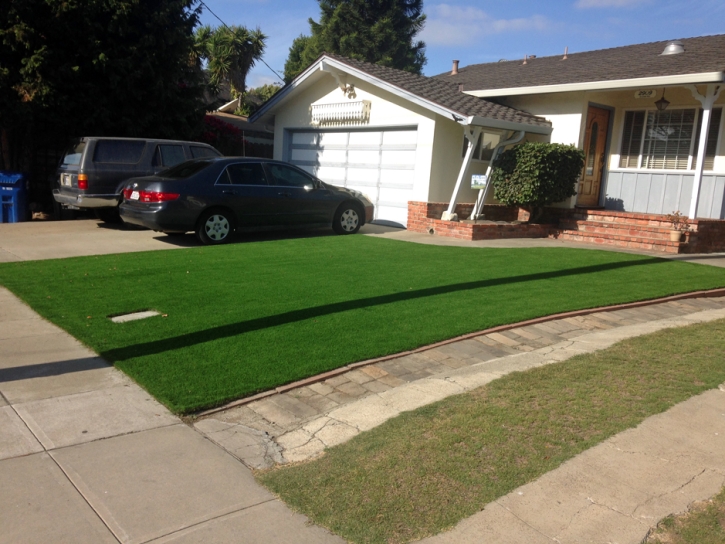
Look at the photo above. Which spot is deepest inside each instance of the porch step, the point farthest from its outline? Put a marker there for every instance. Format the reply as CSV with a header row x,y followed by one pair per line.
x,y
620,240
626,229
629,218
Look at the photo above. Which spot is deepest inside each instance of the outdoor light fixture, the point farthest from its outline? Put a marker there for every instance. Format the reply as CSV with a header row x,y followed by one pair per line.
x,y
662,103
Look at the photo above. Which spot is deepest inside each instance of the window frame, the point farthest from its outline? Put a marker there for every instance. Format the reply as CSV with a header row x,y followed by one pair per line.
x,y
692,151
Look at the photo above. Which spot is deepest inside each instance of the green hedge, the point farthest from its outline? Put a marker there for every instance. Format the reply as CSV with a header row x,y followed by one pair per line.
x,y
536,174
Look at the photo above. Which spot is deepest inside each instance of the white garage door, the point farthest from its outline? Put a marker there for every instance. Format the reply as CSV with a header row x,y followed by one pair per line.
x,y
378,163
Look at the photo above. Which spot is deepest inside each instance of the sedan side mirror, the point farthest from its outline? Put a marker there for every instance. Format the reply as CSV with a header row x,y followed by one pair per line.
x,y
309,187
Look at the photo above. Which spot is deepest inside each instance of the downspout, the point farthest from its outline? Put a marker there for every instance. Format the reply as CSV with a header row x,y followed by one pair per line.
x,y
483,193
707,101
472,137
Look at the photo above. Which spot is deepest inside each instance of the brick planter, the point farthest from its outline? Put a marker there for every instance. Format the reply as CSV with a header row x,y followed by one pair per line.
x,y
620,229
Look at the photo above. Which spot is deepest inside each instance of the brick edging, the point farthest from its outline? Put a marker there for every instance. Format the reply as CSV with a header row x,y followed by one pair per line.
x,y
352,366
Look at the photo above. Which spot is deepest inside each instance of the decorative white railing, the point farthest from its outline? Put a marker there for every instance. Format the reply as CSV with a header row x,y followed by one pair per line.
x,y
340,112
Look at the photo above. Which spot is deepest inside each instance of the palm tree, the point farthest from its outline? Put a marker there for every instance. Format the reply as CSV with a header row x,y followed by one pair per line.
x,y
229,53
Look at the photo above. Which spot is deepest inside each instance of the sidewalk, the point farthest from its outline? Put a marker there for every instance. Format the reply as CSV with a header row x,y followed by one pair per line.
x,y
88,456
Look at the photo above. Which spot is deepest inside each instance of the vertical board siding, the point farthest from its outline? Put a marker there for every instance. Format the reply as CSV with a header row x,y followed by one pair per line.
x,y
664,192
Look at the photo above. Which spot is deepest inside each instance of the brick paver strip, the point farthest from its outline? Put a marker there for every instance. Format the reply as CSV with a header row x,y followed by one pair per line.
x,y
619,320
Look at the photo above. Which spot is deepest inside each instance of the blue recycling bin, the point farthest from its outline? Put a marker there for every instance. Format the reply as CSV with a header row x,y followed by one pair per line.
x,y
13,197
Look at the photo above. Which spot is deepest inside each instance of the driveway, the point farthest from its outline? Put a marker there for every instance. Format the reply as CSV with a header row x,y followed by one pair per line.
x,y
60,239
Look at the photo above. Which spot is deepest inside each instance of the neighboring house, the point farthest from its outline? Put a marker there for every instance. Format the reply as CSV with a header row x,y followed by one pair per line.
x,y
648,116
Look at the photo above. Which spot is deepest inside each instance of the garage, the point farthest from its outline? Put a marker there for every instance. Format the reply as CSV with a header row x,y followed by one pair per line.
x,y
378,162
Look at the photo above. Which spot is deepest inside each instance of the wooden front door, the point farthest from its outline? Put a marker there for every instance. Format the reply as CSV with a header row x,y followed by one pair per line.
x,y
595,143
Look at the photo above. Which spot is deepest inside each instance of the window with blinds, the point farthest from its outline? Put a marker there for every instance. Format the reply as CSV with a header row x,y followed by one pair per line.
x,y
667,140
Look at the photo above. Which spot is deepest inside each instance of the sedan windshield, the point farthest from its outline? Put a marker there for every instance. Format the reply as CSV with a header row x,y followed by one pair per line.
x,y
185,169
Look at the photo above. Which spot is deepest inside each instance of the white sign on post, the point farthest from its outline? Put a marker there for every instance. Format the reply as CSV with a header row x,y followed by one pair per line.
x,y
478,181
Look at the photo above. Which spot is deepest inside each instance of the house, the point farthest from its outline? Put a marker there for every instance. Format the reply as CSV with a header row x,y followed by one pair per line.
x,y
648,116
393,135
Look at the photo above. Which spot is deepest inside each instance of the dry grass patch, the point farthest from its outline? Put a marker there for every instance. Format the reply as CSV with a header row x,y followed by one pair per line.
x,y
703,523
424,471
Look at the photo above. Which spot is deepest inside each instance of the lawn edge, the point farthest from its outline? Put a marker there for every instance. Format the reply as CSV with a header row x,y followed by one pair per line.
x,y
719,292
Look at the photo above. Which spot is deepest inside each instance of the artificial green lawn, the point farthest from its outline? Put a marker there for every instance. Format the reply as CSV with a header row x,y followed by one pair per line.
x,y
247,317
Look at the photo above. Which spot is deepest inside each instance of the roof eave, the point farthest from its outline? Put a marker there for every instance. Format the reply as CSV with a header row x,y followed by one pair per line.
x,y
324,62
616,84
508,125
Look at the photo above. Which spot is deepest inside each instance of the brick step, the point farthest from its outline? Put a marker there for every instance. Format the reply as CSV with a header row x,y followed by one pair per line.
x,y
642,220
620,229
633,242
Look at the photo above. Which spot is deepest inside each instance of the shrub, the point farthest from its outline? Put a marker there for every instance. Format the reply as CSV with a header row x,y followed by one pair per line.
x,y
534,174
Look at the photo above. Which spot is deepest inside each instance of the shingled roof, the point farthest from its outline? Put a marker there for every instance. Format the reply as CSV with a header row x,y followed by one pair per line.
x,y
703,54
439,92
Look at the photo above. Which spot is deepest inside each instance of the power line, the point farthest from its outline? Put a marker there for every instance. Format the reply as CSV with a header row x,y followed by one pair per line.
x,y
227,27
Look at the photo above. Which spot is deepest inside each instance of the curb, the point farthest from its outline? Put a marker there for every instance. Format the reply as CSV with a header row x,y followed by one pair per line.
x,y
352,366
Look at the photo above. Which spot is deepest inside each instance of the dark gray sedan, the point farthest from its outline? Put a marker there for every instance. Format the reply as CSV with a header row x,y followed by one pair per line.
x,y
216,197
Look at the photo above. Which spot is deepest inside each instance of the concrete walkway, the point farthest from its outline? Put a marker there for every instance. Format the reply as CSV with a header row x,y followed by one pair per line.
x,y
88,456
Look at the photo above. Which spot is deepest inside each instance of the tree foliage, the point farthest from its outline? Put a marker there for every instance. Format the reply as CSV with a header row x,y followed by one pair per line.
x,y
254,98
535,174
377,31
229,53
100,67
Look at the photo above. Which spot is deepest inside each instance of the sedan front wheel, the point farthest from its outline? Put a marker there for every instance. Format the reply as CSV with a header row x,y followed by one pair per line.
x,y
215,227
347,219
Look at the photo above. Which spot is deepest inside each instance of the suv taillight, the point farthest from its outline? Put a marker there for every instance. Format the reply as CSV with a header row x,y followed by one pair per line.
x,y
155,196
82,181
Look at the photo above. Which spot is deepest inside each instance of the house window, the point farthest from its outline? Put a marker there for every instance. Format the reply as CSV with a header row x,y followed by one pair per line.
x,y
667,140
484,146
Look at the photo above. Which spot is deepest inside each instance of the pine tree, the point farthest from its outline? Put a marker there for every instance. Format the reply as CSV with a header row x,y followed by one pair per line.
x,y
377,31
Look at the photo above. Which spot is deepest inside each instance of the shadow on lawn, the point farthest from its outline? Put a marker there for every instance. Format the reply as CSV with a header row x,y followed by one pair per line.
x,y
225,331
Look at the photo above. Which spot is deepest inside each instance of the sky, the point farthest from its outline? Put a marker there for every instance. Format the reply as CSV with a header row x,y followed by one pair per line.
x,y
486,31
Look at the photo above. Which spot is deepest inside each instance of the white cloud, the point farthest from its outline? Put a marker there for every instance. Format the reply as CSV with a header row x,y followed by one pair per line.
x,y
455,25
584,4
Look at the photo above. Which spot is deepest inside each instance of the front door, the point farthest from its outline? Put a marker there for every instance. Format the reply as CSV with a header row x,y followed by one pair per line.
x,y
595,143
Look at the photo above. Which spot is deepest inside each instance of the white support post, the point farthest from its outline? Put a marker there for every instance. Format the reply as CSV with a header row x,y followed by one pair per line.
x,y
471,135
483,193
707,101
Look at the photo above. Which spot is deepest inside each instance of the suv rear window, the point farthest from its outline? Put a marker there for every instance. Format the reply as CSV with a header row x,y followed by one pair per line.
x,y
73,154
199,152
169,155
184,170
119,151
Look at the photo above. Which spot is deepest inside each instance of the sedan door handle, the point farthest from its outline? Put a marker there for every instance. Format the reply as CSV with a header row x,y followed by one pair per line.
x,y
229,192
284,194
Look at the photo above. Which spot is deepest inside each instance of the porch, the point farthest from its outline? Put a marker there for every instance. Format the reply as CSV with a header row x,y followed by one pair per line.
x,y
649,232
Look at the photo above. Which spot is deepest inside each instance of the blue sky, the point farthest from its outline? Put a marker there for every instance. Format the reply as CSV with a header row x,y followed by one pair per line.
x,y
475,31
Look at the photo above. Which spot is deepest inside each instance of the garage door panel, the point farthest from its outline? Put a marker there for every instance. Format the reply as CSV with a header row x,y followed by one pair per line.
x,y
393,212
331,174
390,195
362,175
366,158
402,159
400,137
397,176
331,139
304,138
365,138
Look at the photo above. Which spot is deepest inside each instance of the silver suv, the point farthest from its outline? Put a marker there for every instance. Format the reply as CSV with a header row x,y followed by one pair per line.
x,y
93,170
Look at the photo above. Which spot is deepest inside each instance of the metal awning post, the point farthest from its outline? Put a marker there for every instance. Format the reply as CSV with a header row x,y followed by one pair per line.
x,y
471,134
483,193
707,101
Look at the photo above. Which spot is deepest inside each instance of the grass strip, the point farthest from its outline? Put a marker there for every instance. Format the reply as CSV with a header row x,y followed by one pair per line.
x,y
703,523
422,472
244,318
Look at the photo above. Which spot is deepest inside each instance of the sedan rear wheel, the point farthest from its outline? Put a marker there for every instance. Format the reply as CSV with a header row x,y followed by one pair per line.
x,y
215,227
347,219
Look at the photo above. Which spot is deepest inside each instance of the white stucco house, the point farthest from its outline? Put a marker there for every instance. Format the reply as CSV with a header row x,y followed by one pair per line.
x,y
648,116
